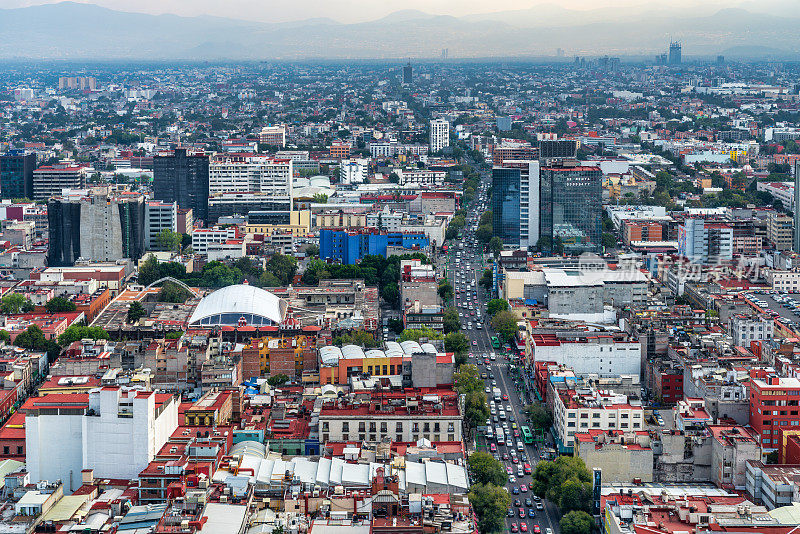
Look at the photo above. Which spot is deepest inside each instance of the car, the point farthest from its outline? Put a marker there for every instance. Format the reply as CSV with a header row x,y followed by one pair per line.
x,y
511,512
523,527
536,529
511,418
493,447
512,479
528,502
548,531
515,490
531,512
539,506
537,498
486,361
522,513
516,433
523,488
474,343
484,375
514,527
513,425
509,471
505,456
505,397
488,389
517,503
514,460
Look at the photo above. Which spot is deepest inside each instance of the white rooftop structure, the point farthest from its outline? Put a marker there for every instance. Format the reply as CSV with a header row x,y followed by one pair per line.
x,y
228,305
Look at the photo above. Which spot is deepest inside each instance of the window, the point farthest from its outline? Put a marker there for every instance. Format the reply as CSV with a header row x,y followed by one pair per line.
x,y
345,426
384,427
362,426
398,427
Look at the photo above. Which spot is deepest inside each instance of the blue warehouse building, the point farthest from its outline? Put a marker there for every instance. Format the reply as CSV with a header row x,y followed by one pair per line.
x,y
348,247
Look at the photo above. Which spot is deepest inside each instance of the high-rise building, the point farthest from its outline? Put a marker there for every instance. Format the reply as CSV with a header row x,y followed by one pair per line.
x,y
557,148
706,242
796,232
674,53
273,135
77,82
16,174
440,134
183,178
249,173
407,73
95,228
50,180
158,216
571,205
515,203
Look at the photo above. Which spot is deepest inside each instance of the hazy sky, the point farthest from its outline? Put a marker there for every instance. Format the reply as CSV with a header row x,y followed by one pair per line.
x,y
342,10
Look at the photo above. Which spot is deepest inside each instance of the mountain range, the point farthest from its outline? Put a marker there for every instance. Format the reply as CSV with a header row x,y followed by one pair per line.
x,y
69,30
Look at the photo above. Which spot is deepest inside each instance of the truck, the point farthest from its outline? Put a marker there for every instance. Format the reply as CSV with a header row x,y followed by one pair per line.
x,y
497,394
501,440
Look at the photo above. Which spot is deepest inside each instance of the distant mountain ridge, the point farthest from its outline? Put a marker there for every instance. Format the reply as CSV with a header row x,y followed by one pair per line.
x,y
71,30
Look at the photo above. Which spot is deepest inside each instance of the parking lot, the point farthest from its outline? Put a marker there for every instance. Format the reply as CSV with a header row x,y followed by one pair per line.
x,y
784,306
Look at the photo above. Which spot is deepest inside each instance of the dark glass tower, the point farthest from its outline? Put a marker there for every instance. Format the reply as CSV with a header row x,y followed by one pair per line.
x,y
571,206
506,204
182,178
16,174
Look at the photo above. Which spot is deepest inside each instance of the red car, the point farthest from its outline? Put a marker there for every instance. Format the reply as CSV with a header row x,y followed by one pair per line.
x,y
523,527
523,488
522,513
505,397
514,460
493,447
514,527
536,529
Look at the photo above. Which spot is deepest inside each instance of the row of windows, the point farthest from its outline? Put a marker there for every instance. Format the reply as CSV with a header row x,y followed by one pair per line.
x,y
399,437
384,428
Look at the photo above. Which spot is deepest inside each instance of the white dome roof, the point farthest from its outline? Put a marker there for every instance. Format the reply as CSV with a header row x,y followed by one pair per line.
x,y
227,305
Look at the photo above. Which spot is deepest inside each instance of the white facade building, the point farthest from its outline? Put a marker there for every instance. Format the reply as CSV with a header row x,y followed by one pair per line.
x,y
203,238
353,171
783,280
439,134
421,177
593,353
158,216
580,411
254,174
747,328
114,431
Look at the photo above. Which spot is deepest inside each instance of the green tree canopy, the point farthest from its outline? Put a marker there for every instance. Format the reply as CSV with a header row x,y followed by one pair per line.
x,y
362,338
486,469
445,290
505,323
496,305
450,320
277,380
458,344
495,246
59,305
135,312
77,332
538,416
467,379
576,522
490,503
414,334
476,411
169,240
14,303
172,292
565,481
33,338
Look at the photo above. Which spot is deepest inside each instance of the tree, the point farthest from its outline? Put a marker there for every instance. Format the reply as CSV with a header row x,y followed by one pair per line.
x,y
362,338
445,290
495,245
283,267
505,323
490,503
320,198
575,495
487,279
609,240
135,312
538,416
169,240
391,293
415,334
14,303
5,337
458,344
394,178
396,326
33,338
565,481
59,304
468,379
76,333
476,411
451,321
277,380
172,292
484,233
312,249
486,469
496,305
576,522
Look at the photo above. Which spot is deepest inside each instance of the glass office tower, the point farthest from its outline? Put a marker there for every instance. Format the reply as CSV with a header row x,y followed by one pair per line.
x,y
571,207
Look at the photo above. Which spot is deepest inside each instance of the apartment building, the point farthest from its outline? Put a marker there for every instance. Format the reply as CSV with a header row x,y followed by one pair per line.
x,y
50,180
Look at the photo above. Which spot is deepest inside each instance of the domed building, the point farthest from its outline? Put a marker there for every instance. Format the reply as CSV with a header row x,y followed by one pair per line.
x,y
239,305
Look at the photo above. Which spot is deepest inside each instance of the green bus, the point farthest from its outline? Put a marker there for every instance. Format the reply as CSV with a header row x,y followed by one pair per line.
x,y
495,342
527,435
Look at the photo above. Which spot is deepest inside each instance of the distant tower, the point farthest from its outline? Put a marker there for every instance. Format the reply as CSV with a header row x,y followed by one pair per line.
x,y
408,73
675,53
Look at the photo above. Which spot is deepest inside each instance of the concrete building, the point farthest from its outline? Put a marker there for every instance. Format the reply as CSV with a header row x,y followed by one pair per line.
x,y
273,135
779,231
158,216
114,431
731,449
705,242
767,417
773,485
182,177
353,171
516,203
203,238
623,456
783,280
249,173
599,353
50,180
747,328
439,134
95,228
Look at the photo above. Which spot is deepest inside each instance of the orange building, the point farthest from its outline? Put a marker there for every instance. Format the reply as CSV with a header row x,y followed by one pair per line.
x,y
641,231
340,150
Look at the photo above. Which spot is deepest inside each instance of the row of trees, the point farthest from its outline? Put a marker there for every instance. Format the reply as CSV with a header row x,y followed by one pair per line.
x,y
488,497
278,271
15,303
33,338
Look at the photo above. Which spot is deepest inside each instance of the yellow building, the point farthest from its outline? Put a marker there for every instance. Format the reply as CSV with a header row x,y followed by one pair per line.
x,y
299,225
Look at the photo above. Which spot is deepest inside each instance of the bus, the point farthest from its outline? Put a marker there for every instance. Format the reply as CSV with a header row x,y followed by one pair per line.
x,y
527,435
495,342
